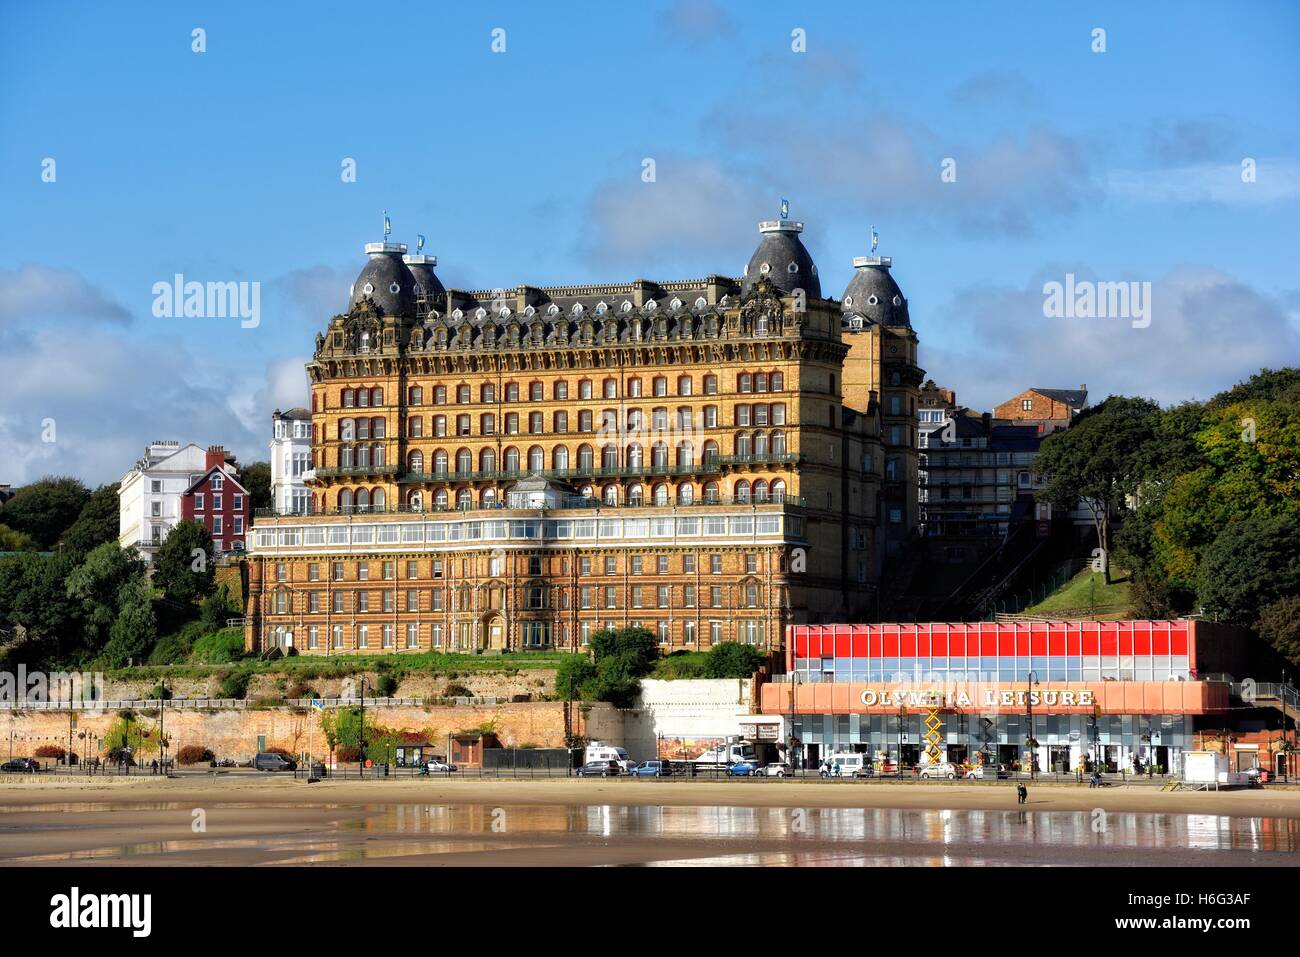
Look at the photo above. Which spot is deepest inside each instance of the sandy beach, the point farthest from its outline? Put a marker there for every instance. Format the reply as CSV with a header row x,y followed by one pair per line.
x,y
258,820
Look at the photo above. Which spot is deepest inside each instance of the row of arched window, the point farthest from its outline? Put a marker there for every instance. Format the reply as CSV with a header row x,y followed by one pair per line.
x,y
661,494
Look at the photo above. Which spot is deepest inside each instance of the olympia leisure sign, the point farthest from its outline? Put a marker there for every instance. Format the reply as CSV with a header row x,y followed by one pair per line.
x,y
992,698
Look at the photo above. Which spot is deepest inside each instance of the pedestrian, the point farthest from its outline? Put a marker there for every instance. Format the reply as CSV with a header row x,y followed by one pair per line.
x,y
1022,793
836,772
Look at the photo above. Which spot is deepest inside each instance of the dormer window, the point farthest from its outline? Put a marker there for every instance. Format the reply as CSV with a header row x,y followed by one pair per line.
x,y
652,305
601,308
394,288
627,306
701,303
872,300
898,300
552,310
368,289
530,311
765,268
480,313
675,304
577,309
792,268
458,315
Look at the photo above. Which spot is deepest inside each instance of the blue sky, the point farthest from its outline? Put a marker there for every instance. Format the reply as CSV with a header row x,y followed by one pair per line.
x,y
526,166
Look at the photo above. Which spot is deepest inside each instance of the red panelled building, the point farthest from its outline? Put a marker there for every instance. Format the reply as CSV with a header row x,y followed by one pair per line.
x,y
220,502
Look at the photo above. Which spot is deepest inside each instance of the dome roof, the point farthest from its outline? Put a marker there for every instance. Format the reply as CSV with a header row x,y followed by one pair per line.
x,y
783,260
873,294
386,280
422,270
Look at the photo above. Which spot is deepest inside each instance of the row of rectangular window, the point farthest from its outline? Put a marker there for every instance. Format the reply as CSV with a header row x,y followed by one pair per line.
x,y
535,633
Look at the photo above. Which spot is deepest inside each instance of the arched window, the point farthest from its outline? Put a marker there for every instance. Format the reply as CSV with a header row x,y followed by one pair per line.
x,y
376,396
660,385
346,457
611,495
349,398
464,498
487,460
535,391
778,491
685,493
363,500
560,390
440,395
635,495
560,458
489,498
415,500
586,458
487,424
511,459
741,491
710,451
378,500
760,490
464,461
512,391
710,385
463,395
440,462
363,398
635,456
659,455
778,442
440,499
609,457
415,462
684,385
742,443
760,443
487,392
377,456
661,494
345,501
536,459
710,491
685,455
363,456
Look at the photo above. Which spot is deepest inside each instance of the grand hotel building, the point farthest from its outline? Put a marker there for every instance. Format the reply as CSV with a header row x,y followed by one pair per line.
x,y
512,469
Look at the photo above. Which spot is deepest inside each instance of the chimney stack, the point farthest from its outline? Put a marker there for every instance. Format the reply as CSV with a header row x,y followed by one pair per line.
x,y
216,456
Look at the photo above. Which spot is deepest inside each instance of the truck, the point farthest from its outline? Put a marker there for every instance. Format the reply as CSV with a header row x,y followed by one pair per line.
x,y
600,751
725,755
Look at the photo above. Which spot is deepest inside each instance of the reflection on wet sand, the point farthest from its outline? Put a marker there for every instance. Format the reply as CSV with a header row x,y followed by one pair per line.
x,y
159,833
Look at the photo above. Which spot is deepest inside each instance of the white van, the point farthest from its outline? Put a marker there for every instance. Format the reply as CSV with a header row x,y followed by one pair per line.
x,y
599,751
852,763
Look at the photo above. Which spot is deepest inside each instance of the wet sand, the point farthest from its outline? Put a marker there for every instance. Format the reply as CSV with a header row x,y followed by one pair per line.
x,y
256,820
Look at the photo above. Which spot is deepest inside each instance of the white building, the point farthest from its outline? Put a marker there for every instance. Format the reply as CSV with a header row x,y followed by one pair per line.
x,y
149,496
291,461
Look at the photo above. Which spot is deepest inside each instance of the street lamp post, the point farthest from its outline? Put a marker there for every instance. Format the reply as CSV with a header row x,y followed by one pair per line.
x,y
361,757
1030,741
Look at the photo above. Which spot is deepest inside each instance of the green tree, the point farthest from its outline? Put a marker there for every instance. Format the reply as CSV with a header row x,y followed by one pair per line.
x,y
135,629
33,595
96,524
1100,461
731,659
1249,566
185,566
218,607
574,671
13,541
1279,625
45,508
256,477
96,586
634,648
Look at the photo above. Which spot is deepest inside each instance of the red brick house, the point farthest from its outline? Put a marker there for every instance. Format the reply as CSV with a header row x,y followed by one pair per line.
x,y
220,502
1050,409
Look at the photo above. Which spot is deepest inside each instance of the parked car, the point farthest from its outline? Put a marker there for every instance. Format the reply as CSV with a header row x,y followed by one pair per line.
x,y
442,766
651,769
942,770
599,769
777,769
742,769
270,761
986,772
24,765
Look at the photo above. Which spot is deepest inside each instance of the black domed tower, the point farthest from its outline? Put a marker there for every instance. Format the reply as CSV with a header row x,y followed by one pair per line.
x,y
782,260
386,281
429,290
882,364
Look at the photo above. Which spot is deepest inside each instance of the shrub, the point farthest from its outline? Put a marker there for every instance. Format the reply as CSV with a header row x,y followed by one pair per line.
x,y
194,754
347,754
299,689
50,751
456,690
170,650
387,686
159,693
732,660
234,685
219,648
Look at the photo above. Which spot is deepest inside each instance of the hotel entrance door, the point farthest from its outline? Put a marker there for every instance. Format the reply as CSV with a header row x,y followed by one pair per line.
x,y
1058,758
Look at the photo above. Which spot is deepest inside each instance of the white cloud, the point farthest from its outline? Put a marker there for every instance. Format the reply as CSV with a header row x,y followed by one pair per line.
x,y
34,291
1208,331
1276,180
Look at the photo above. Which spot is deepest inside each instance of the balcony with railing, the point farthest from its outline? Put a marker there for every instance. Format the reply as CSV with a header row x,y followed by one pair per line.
x,y
569,502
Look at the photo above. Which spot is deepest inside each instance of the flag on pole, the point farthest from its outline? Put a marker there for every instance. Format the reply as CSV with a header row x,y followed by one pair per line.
x,y
875,239
419,242
785,209
388,226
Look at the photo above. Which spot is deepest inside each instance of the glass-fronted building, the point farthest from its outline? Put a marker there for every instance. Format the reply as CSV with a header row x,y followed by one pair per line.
x,y
1060,694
